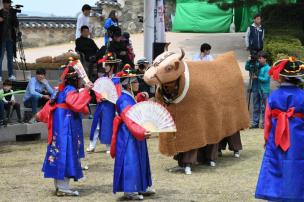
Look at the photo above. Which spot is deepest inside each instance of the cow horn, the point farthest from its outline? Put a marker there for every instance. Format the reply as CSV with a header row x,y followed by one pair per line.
x,y
183,54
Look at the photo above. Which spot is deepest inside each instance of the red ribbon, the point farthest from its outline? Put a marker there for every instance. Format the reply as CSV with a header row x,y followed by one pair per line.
x,y
282,132
276,70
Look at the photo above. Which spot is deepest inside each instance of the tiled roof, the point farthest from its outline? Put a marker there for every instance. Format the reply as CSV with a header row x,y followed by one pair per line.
x,y
47,22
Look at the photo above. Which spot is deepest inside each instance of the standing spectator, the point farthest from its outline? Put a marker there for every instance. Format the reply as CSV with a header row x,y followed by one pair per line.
x,y
2,121
204,55
10,101
38,91
88,48
8,25
142,65
83,19
255,36
111,22
260,97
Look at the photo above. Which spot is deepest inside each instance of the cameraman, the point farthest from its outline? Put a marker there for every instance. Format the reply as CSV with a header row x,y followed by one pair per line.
x,y
8,25
259,86
142,65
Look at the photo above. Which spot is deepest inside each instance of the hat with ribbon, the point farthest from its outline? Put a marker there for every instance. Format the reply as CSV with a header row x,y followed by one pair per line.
x,y
290,67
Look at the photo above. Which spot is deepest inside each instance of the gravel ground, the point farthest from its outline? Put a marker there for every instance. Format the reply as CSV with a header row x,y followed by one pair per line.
x,y
232,179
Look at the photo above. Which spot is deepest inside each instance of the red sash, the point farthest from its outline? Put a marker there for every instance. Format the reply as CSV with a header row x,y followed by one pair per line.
x,y
282,132
46,116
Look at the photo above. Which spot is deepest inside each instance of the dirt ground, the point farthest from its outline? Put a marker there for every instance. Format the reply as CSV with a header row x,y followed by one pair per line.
x,y
232,179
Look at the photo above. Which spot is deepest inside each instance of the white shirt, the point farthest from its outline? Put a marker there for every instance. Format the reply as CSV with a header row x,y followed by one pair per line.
x,y
198,57
81,21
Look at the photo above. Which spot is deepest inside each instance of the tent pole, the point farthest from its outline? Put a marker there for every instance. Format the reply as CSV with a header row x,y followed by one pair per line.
x,y
149,7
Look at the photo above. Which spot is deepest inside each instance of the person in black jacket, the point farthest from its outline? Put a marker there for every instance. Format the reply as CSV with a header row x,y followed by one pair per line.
x,y
87,46
8,25
255,36
119,48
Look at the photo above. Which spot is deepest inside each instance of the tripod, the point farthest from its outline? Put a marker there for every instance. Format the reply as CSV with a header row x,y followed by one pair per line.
x,y
22,63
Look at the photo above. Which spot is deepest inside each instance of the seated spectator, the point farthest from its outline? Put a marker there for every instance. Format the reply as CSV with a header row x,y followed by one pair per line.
x,y
38,91
9,101
204,55
87,47
142,65
119,48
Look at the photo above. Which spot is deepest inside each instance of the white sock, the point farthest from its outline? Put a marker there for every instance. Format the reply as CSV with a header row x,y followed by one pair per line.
x,y
62,184
94,141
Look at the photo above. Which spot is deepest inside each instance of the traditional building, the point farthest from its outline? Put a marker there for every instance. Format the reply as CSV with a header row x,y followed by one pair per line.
x,y
41,31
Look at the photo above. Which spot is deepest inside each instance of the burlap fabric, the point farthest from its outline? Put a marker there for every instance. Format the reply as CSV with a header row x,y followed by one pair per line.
x,y
214,107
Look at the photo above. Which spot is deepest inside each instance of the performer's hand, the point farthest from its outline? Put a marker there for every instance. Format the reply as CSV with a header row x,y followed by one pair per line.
x,y
1,19
147,134
89,86
146,95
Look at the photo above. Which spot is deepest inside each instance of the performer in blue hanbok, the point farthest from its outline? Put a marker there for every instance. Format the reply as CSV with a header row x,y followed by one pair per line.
x,y
65,135
102,126
132,174
282,171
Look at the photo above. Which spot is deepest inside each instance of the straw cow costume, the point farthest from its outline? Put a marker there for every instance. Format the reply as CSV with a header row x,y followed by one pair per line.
x,y
206,100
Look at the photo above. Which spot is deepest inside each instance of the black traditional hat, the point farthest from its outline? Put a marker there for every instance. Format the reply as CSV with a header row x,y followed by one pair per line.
x,y
290,67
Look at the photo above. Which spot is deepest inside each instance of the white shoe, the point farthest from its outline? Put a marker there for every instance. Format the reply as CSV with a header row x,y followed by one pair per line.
x,y
188,170
108,152
90,150
133,196
12,78
149,192
212,164
237,154
86,167
63,192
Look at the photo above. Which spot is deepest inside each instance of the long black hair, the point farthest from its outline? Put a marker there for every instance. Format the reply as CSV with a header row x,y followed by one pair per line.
x,y
113,16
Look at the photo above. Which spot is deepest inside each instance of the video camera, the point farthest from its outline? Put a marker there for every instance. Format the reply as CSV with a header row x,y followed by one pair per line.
x,y
17,8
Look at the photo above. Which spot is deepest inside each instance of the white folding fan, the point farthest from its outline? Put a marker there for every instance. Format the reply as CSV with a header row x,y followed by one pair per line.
x,y
152,116
105,87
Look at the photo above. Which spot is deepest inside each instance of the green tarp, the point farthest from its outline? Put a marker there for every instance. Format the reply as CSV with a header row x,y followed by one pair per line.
x,y
200,16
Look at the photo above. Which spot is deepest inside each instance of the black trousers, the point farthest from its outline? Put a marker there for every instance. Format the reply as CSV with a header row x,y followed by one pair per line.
x,y
10,107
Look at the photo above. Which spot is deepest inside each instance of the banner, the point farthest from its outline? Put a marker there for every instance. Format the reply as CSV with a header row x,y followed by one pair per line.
x,y
160,35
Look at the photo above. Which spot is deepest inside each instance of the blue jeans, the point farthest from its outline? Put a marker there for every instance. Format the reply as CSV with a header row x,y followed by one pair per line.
x,y
7,45
1,110
34,102
259,105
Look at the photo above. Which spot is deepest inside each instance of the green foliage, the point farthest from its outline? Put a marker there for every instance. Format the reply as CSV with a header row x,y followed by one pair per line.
x,y
284,30
281,46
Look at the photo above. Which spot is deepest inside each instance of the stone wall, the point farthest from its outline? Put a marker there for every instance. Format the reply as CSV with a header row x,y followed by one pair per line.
x,y
129,18
44,36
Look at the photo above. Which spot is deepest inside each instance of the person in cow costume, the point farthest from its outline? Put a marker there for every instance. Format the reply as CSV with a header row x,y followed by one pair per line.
x,y
206,100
